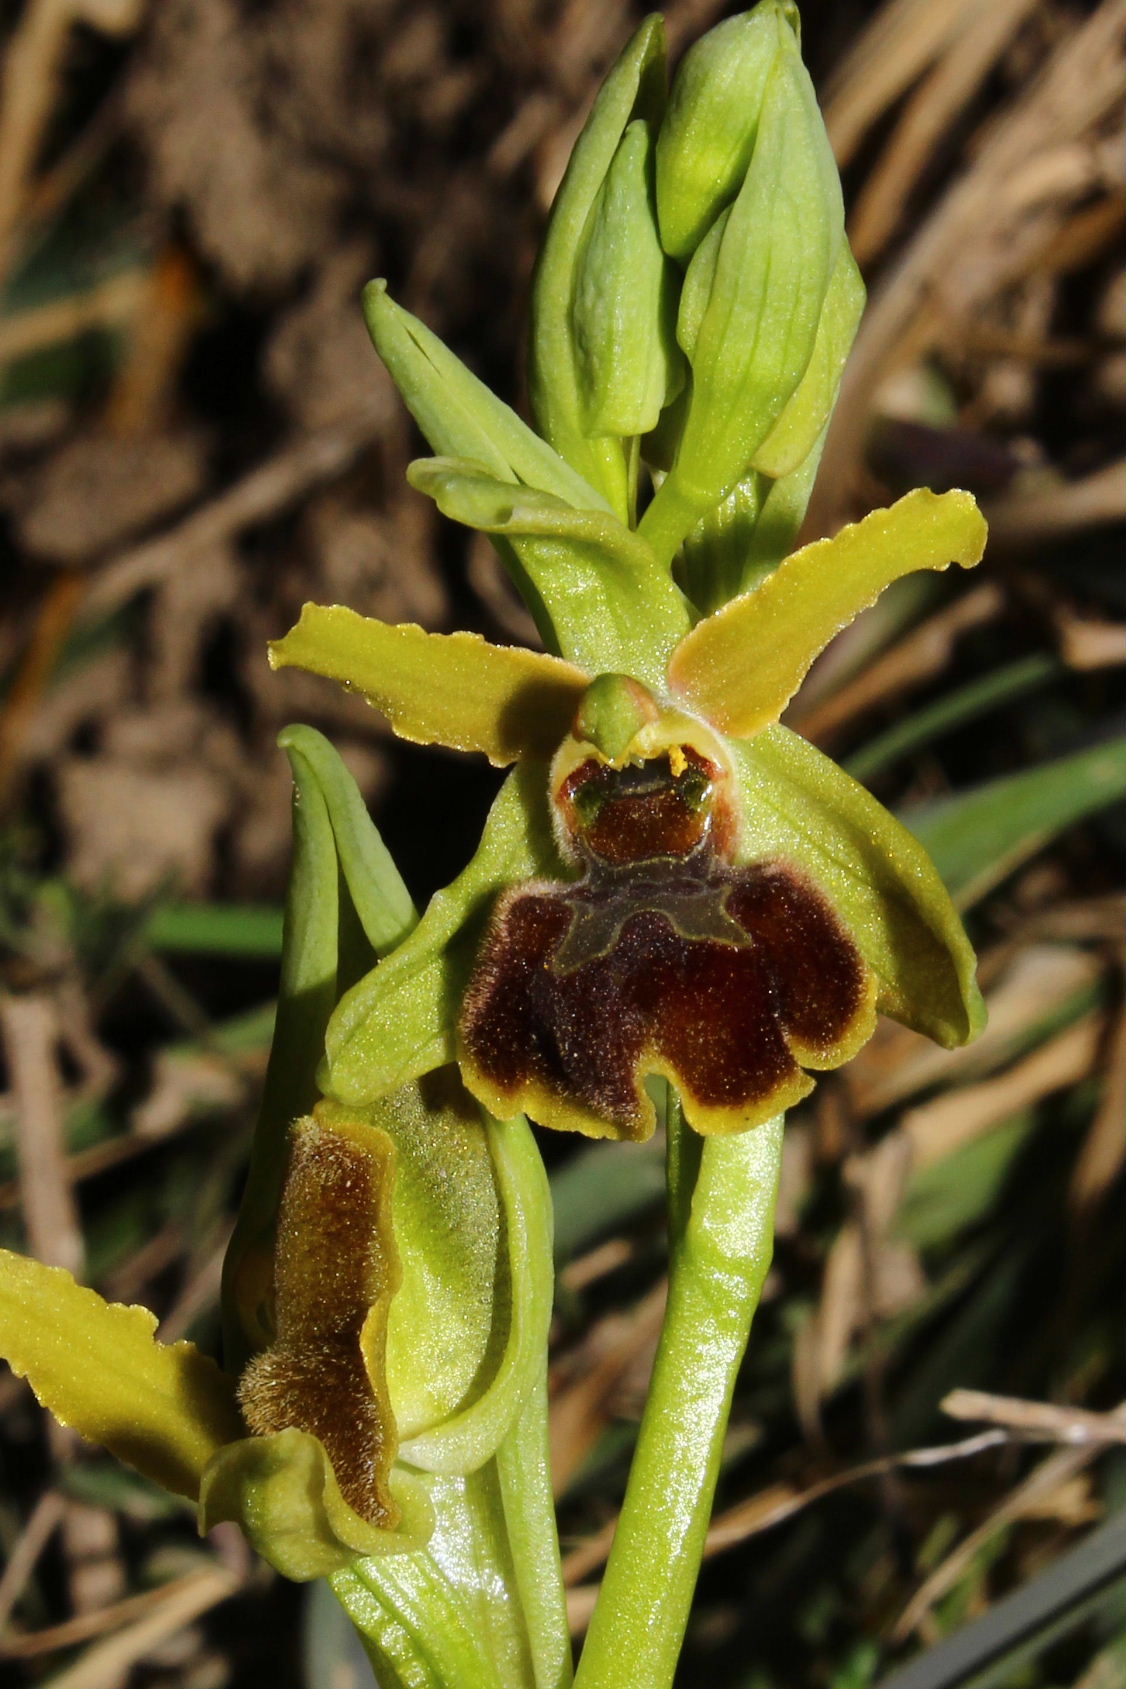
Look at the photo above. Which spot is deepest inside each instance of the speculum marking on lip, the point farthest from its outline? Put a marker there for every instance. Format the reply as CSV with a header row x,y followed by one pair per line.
x,y
667,807
726,979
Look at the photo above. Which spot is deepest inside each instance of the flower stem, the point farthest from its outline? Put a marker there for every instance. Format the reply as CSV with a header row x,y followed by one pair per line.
x,y
716,1277
684,1149
523,1469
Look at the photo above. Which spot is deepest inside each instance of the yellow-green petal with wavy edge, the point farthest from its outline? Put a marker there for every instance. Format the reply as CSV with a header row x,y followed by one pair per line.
x,y
797,805
164,1409
282,1491
741,666
451,689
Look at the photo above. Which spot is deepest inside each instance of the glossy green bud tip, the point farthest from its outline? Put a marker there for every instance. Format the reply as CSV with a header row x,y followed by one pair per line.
x,y
708,134
622,313
749,201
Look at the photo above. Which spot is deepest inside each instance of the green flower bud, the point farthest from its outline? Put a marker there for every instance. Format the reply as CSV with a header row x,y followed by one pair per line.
x,y
634,89
748,194
746,535
713,562
626,356
794,434
708,134
698,284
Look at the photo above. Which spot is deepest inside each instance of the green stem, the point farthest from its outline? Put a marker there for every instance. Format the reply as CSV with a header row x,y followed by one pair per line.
x,y
715,1281
683,1151
671,516
524,1471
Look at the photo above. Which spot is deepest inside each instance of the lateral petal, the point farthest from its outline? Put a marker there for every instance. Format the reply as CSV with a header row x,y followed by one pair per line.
x,y
742,665
165,1409
451,689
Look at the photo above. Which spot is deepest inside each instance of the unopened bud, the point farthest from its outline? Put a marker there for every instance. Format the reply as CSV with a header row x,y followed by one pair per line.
x,y
626,357
748,194
708,134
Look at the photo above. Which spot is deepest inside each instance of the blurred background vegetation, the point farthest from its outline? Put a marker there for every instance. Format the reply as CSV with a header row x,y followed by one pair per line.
x,y
195,437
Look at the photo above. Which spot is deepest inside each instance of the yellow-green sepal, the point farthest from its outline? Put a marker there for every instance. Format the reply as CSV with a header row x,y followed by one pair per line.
x,y
635,88
741,666
468,1328
164,1409
398,1022
611,606
375,889
282,1491
797,805
452,689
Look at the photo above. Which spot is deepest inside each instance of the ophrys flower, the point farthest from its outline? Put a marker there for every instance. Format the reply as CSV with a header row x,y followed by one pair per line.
x,y
671,883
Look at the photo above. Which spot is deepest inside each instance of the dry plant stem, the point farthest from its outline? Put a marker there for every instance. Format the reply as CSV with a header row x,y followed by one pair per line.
x,y
28,86
719,1263
28,1032
183,1601
36,1534
1041,1482
264,491
782,1500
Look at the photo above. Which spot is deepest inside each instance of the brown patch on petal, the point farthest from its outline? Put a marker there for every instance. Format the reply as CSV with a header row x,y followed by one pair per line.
x,y
723,979
826,995
538,1042
335,1273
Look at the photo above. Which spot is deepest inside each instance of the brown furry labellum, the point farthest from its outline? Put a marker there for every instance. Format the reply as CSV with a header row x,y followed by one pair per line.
x,y
335,1273
663,957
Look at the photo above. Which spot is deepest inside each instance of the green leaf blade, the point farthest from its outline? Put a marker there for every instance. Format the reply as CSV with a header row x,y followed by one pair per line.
x,y
980,836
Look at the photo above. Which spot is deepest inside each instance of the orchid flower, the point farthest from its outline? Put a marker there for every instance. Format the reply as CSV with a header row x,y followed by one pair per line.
x,y
670,882
675,900
386,1320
